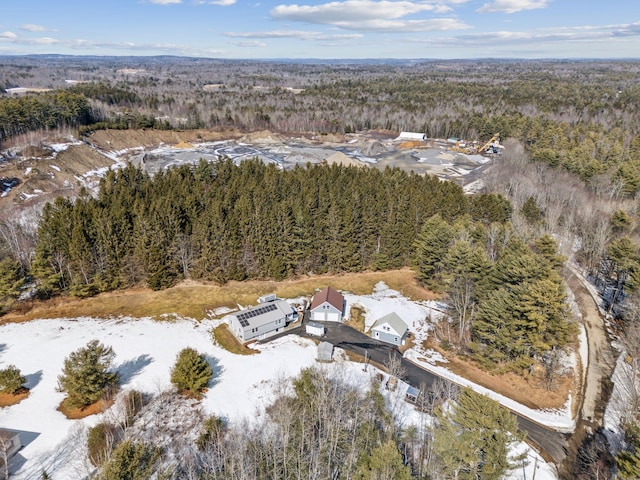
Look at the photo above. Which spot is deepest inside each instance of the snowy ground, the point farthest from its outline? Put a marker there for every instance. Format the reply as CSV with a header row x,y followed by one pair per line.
x,y
145,351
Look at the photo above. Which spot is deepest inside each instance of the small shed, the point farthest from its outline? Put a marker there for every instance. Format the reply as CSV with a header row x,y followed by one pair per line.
x,y
325,352
412,394
9,445
313,328
269,297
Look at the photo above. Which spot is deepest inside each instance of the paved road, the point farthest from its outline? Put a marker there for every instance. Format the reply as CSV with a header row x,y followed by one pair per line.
x,y
552,444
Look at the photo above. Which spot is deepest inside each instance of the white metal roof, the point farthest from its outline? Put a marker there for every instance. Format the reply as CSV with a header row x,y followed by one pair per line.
x,y
263,314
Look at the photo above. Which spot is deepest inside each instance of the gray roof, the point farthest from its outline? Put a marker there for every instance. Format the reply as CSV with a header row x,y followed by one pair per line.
x,y
263,314
394,322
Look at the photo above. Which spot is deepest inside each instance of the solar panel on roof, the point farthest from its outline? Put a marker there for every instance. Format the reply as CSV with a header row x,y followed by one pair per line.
x,y
244,317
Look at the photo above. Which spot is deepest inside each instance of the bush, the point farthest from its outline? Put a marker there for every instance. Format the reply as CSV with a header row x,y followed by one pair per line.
x,y
11,380
100,442
131,461
191,372
85,377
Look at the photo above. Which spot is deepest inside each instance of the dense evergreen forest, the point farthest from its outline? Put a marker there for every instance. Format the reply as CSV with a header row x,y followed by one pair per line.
x,y
219,221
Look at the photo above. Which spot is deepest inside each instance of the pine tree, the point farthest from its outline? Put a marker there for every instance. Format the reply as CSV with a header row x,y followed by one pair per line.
x,y
131,461
11,281
11,380
86,377
191,373
628,460
474,436
383,463
431,247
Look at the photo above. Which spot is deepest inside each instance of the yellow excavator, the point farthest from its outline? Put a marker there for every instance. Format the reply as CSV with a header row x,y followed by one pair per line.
x,y
488,145
461,147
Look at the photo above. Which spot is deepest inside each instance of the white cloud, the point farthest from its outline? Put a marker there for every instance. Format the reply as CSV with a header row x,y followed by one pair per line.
x,y
31,27
165,2
372,15
584,34
299,34
222,3
512,6
38,41
250,44
9,35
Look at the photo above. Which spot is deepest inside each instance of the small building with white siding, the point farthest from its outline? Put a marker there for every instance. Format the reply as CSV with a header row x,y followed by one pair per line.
x,y
313,328
327,306
391,329
260,321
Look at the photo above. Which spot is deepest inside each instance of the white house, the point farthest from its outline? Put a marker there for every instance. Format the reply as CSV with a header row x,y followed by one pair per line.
x,y
327,306
261,321
391,329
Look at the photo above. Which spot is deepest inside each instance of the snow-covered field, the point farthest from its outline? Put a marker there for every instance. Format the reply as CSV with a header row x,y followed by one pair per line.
x,y
145,351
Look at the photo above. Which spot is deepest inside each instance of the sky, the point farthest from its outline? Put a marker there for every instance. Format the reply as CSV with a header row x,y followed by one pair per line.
x,y
324,29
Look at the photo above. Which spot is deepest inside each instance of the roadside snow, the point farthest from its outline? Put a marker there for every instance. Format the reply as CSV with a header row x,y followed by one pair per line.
x,y
625,386
561,419
55,167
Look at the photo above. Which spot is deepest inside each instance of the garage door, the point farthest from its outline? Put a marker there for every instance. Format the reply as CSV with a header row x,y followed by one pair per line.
x,y
333,317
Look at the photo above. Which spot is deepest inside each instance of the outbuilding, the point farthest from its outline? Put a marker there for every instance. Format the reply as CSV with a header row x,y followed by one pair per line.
x,y
261,321
327,306
9,445
391,329
325,352
313,328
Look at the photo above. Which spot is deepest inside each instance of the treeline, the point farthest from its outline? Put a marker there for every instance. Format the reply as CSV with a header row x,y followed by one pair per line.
x,y
581,116
50,110
506,298
219,221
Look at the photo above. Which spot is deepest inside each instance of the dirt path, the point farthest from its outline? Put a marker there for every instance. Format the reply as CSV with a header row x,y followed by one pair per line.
x,y
601,359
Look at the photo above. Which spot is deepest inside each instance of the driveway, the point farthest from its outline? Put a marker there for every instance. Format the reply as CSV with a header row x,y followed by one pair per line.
x,y
550,443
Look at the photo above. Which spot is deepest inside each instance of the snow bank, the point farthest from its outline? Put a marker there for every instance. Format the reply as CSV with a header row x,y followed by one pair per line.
x,y
560,420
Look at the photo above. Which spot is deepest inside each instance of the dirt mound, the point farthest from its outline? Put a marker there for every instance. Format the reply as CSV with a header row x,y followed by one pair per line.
x,y
373,148
411,144
264,136
332,138
45,179
121,139
340,158
36,151
183,145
